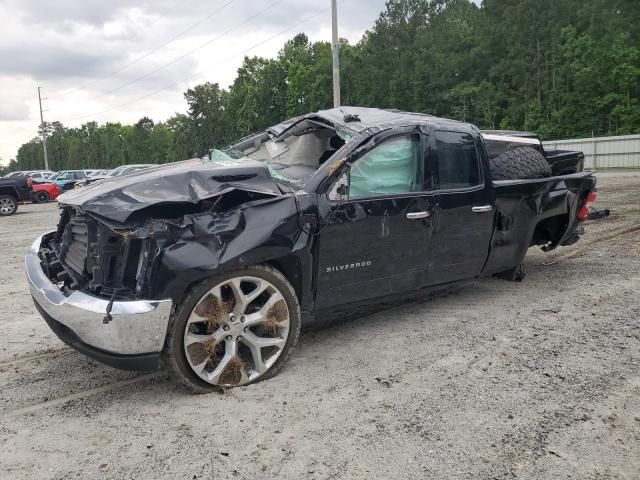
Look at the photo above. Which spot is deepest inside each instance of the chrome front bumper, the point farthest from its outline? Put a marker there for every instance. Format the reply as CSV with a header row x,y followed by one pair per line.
x,y
137,327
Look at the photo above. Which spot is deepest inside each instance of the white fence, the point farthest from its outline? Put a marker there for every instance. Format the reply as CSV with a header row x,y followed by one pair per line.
x,y
603,152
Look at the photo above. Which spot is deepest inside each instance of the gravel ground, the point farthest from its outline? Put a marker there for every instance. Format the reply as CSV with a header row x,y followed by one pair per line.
x,y
499,380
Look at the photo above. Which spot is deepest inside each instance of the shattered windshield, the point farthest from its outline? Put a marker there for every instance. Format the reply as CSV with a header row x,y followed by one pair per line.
x,y
293,154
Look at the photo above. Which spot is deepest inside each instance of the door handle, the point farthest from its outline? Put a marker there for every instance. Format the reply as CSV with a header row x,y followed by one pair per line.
x,y
418,215
482,209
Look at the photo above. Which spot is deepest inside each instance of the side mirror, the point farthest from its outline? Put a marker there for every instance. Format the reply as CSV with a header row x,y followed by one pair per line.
x,y
340,189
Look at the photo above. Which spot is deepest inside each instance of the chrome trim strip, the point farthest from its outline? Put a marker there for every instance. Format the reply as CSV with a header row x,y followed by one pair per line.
x,y
508,138
137,326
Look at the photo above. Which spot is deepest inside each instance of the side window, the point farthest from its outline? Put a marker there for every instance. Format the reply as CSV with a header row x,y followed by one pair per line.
x,y
457,161
392,167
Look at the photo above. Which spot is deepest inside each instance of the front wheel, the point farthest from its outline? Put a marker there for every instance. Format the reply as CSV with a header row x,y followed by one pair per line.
x,y
8,205
233,329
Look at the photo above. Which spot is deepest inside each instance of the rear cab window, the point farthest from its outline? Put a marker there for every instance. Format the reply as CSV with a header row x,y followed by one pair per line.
x,y
457,163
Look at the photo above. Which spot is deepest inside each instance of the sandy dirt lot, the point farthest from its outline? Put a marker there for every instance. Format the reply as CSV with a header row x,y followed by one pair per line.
x,y
532,380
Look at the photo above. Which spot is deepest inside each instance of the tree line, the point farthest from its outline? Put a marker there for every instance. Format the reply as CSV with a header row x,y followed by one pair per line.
x,y
562,68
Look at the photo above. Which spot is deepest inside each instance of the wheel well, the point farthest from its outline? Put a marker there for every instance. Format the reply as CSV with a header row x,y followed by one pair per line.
x,y
289,266
549,229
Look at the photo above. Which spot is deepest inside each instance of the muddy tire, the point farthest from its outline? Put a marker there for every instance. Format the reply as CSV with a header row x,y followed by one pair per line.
x,y
8,205
233,329
42,197
520,164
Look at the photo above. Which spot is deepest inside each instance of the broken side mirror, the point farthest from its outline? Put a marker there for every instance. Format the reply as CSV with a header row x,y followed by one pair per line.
x,y
340,190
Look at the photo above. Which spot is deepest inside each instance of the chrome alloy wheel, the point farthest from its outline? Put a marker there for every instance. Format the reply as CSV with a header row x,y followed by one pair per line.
x,y
236,331
7,206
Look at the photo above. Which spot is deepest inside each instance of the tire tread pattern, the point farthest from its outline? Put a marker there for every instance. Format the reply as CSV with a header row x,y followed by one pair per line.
x,y
521,163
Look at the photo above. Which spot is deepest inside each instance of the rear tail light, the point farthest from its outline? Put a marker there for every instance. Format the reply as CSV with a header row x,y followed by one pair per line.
x,y
584,211
29,182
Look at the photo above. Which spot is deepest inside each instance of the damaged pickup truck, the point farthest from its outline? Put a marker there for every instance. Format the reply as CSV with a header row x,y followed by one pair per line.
x,y
211,265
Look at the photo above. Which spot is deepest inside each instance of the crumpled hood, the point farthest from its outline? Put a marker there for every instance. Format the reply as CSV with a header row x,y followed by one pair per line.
x,y
189,181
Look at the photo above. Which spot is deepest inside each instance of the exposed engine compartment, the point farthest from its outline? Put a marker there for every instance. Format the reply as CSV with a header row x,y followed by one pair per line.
x,y
85,254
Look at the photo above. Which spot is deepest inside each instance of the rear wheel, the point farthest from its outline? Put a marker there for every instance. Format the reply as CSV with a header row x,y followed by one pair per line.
x,y
42,197
8,205
520,163
233,329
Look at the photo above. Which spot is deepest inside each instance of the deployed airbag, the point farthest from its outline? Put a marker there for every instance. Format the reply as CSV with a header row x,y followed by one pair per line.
x,y
391,167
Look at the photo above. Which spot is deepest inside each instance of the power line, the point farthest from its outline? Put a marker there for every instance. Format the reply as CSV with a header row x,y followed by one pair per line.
x,y
155,92
150,52
175,60
167,12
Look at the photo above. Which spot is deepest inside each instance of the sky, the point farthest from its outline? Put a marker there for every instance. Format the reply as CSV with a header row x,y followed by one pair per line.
x,y
120,60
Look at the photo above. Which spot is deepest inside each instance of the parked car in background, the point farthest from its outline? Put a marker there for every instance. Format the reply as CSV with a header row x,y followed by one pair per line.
x,y
36,176
13,190
66,179
18,173
42,177
116,172
43,189
44,192
93,172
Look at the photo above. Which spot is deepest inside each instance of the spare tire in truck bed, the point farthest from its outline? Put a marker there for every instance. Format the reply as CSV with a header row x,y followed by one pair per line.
x,y
520,163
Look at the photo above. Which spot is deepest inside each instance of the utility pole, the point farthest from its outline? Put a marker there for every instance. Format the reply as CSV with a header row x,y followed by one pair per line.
x,y
44,133
336,54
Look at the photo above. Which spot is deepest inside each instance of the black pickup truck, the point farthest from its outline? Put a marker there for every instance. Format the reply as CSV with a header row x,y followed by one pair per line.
x,y
211,265
13,190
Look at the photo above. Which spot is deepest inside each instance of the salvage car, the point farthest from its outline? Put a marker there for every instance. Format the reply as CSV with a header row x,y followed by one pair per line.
x,y
66,179
211,265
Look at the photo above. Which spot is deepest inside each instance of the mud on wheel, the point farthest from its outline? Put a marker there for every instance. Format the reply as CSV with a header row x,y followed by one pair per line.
x,y
233,329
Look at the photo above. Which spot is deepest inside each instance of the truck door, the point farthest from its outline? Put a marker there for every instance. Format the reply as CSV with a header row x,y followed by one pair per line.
x,y
375,239
465,208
